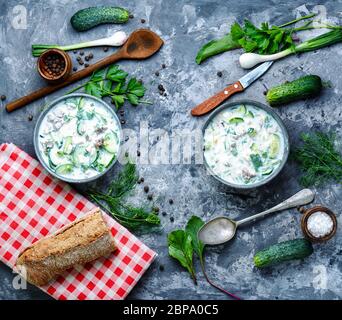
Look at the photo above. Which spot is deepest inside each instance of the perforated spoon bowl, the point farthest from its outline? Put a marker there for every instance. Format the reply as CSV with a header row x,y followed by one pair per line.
x,y
222,229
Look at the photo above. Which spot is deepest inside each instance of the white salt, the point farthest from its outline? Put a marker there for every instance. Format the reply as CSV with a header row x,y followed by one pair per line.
x,y
320,224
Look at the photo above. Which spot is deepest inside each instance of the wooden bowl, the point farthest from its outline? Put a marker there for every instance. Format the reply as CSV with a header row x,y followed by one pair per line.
x,y
41,64
304,223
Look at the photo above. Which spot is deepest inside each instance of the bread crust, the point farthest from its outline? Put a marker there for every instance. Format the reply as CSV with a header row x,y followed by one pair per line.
x,y
78,243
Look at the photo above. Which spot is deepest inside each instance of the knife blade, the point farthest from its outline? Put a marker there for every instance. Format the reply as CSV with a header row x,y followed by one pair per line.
x,y
238,86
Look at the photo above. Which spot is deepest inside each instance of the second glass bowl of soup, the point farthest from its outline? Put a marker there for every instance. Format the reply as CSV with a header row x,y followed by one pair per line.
x,y
245,144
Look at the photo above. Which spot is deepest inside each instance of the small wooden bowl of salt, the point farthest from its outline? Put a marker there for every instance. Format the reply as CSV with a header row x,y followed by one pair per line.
x,y
319,224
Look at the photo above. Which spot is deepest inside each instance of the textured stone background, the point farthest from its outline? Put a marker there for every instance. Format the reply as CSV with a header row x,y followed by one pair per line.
x,y
185,26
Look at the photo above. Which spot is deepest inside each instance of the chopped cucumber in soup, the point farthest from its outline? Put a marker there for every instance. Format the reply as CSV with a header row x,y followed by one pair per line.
x,y
105,158
110,142
64,169
274,146
78,138
236,120
242,109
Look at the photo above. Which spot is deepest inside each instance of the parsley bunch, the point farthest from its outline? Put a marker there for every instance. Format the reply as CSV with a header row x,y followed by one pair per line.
x,y
112,82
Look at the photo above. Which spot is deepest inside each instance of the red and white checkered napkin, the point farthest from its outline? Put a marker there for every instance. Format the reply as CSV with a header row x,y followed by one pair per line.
x,y
33,204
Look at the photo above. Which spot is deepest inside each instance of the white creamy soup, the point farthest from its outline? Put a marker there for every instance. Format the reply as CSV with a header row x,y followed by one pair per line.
x,y
79,138
243,145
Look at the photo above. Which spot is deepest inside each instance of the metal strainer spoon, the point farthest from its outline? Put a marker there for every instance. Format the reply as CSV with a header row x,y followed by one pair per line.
x,y
222,229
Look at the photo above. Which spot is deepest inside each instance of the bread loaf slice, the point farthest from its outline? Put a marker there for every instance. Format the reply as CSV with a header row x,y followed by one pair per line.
x,y
82,241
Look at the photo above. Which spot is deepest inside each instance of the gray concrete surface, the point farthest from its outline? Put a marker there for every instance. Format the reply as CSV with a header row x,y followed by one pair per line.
x,y
185,26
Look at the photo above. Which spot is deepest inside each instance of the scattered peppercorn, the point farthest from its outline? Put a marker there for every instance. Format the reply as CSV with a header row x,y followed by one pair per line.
x,y
161,87
146,189
161,268
157,74
86,58
164,213
30,117
105,49
265,93
3,97
172,219
78,58
163,66
74,69
156,210
138,153
142,179
75,51
150,196
219,74
90,55
165,94
131,16
143,20
123,121
122,112
171,201
86,65
81,53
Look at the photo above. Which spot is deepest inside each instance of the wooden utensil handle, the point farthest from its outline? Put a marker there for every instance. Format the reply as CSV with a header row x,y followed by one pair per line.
x,y
217,99
21,102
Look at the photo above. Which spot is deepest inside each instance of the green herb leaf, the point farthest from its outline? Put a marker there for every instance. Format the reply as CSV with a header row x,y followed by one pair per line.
x,y
181,249
93,89
256,160
194,224
119,100
319,159
113,201
115,74
136,87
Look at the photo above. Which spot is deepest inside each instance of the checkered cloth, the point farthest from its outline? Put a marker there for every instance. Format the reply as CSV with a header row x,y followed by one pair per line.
x,y
33,204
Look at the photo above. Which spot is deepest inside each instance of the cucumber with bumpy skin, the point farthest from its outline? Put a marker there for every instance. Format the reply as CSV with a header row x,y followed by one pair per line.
x,y
93,16
302,88
283,251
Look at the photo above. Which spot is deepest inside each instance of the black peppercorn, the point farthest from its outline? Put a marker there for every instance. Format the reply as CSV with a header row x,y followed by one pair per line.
x,y
157,74
219,74
146,189
131,16
171,201
150,196
143,20
161,268
30,117
172,219
164,213
3,97
163,66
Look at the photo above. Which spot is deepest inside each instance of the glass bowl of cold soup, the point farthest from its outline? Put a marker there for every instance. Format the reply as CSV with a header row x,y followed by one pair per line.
x,y
245,144
77,138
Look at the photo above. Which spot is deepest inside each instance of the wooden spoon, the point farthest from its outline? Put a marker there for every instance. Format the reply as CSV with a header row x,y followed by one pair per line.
x,y
141,44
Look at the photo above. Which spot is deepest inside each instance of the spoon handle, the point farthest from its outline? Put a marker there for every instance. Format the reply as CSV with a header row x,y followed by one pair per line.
x,y
301,198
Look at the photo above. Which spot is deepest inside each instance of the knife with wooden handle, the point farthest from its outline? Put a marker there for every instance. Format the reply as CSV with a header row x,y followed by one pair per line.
x,y
238,86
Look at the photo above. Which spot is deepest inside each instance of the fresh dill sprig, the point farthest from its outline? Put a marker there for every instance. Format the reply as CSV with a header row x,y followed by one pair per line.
x,y
113,201
318,159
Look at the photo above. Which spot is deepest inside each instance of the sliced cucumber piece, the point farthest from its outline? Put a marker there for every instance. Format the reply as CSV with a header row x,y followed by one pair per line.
x,y
274,146
57,157
111,142
84,157
105,158
64,169
81,103
67,145
249,114
236,120
242,109
267,171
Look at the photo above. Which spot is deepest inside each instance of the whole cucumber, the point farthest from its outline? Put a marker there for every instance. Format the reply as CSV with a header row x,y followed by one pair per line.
x,y
88,18
302,88
283,251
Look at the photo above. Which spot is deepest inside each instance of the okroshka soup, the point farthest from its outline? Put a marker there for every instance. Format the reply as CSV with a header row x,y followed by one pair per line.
x,y
243,145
